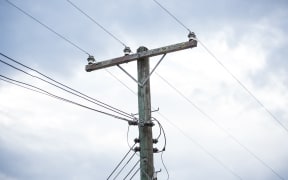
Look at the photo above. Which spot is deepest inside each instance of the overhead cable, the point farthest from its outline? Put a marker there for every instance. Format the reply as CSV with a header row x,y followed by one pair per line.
x,y
221,163
131,148
73,91
135,173
131,157
244,87
174,17
132,169
226,69
97,23
42,91
47,27
221,128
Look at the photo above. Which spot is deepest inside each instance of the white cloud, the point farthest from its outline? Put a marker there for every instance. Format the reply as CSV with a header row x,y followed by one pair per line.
x,y
44,138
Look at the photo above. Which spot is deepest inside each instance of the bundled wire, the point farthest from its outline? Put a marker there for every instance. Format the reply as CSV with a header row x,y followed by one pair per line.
x,y
63,87
44,92
118,165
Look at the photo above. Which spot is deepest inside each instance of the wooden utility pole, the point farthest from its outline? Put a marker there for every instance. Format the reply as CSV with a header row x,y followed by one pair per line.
x,y
145,123
144,98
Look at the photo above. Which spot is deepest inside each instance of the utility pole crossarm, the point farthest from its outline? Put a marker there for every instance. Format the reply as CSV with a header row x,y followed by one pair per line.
x,y
135,56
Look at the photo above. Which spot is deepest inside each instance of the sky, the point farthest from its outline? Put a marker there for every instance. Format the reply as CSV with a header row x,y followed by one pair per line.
x,y
215,129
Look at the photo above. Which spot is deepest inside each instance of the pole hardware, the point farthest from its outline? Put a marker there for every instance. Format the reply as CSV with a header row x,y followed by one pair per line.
x,y
91,60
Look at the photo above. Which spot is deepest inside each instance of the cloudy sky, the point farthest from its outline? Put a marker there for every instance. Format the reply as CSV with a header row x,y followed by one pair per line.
x,y
215,129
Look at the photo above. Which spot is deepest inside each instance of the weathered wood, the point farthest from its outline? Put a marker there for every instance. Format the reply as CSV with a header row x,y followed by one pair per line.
x,y
144,107
144,54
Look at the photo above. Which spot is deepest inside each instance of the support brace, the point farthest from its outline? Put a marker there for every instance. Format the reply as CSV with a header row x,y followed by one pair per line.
x,y
145,80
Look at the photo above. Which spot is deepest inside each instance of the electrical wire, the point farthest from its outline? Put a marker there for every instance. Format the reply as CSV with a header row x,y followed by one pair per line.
x,y
47,27
164,147
94,21
135,173
243,86
221,128
19,85
222,164
168,175
174,17
69,40
226,69
121,82
73,91
164,134
121,161
131,169
42,91
64,38
127,137
124,166
240,83
160,129
59,35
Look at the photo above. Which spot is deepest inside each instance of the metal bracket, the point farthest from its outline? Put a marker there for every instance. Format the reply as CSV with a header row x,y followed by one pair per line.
x,y
141,84
155,110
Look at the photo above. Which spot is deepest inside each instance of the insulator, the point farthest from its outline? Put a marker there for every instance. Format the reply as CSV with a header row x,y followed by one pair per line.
x,y
155,141
136,149
127,51
133,123
155,150
149,124
91,59
136,140
191,36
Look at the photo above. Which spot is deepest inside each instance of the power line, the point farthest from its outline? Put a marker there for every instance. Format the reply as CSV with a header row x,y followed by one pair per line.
x,y
44,92
220,127
222,164
244,87
132,169
188,137
131,148
121,82
73,91
174,17
97,23
131,157
135,173
64,38
47,27
225,68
